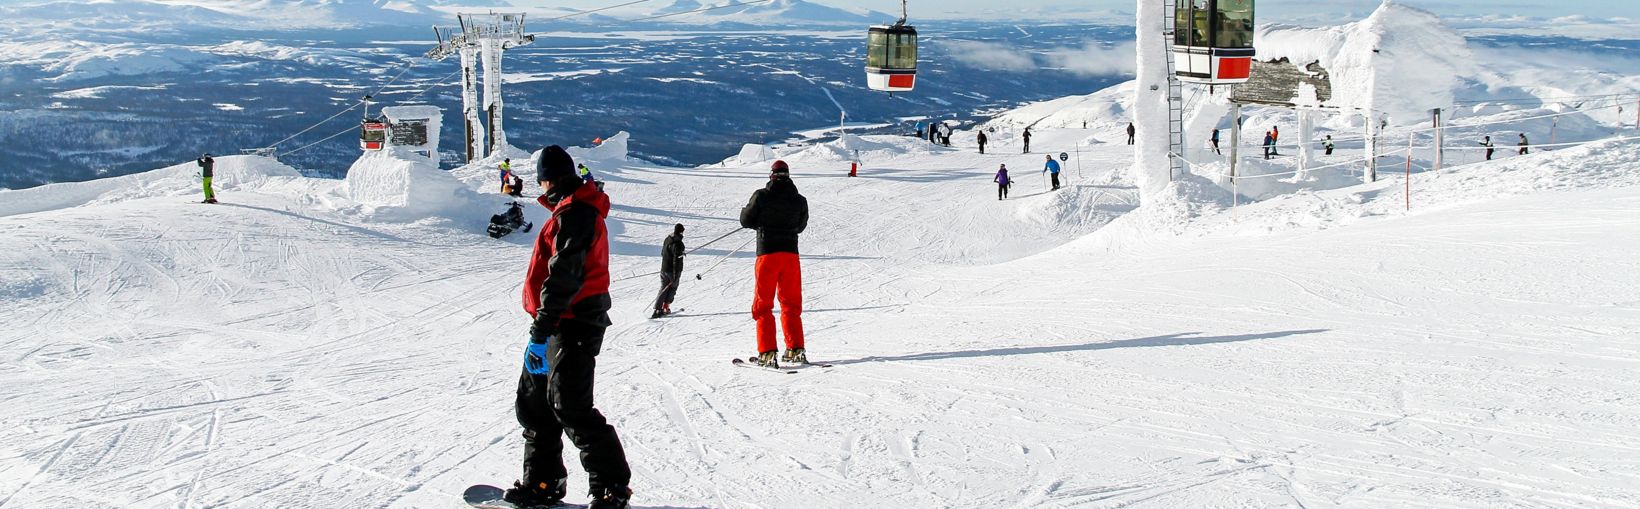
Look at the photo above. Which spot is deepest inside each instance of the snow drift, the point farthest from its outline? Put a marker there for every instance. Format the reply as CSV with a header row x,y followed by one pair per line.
x,y
406,187
232,173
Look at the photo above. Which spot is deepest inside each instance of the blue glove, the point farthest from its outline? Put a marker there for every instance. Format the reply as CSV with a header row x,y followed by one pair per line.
x,y
535,357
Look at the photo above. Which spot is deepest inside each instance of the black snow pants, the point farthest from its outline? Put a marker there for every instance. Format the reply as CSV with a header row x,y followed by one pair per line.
x,y
1002,191
669,288
560,403
1055,178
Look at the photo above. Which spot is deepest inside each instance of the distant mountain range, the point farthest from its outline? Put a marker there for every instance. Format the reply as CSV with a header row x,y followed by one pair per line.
x,y
177,15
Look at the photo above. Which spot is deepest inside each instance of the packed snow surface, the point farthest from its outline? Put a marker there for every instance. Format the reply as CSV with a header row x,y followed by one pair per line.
x,y
287,349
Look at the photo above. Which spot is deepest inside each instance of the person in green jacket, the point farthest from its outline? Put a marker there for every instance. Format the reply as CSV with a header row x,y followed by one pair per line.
x,y
206,167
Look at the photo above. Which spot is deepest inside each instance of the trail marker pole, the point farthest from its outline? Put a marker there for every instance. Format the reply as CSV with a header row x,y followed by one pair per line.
x,y
1409,168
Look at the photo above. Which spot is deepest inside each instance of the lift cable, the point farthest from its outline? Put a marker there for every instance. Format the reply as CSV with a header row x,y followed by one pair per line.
x,y
704,9
600,9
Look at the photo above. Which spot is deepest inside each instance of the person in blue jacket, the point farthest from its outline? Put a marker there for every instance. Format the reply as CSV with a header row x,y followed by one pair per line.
x,y
1053,169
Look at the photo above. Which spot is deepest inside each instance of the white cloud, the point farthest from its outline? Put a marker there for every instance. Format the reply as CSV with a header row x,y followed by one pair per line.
x,y
990,56
1095,59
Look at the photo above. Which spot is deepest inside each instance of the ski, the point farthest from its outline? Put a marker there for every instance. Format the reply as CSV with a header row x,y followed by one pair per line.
x,y
484,496
749,363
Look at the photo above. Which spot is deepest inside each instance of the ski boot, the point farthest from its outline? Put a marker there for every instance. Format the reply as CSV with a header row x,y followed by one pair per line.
x,y
795,356
610,498
766,360
657,314
541,494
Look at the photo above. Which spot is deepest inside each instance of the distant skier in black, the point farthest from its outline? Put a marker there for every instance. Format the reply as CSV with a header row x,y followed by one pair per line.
x,y
982,142
1328,145
672,251
517,187
207,167
1215,140
1523,145
1268,144
1487,142
1027,141
1131,131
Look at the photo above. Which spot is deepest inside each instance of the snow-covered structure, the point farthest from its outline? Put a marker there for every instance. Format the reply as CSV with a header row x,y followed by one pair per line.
x,y
483,38
1150,160
1400,61
415,128
400,185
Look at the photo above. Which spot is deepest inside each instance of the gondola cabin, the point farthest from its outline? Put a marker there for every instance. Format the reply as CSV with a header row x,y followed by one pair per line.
x,y
891,58
372,135
1213,41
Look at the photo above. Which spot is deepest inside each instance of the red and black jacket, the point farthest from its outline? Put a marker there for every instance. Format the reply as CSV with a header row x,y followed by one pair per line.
x,y
568,278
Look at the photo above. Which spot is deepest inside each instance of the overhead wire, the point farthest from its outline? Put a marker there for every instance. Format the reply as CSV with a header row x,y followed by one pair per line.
x,y
600,9
423,91
704,9
407,65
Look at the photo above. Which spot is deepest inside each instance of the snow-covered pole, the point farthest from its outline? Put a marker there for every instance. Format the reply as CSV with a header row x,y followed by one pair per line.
x,y
492,92
470,104
1150,164
1235,136
1553,124
1370,173
1306,138
1440,139
1409,171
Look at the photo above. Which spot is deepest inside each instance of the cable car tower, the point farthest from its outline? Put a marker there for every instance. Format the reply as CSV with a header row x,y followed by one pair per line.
x,y
483,36
891,56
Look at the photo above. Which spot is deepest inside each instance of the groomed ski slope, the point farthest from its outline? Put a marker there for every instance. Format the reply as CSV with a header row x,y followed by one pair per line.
x,y
1327,349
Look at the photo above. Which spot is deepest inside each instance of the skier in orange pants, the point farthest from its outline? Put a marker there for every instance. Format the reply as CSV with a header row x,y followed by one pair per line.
x,y
779,214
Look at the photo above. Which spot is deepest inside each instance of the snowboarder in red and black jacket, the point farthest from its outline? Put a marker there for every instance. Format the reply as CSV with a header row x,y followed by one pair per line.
x,y
566,293
779,214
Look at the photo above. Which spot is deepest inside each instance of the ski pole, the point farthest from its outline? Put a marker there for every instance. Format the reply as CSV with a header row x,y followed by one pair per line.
x,y
714,241
657,302
725,257
691,251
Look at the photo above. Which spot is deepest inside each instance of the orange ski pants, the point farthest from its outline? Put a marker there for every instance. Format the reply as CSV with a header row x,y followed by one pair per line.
x,y
778,275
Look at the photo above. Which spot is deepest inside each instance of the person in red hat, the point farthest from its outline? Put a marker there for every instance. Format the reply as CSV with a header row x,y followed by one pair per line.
x,y
779,214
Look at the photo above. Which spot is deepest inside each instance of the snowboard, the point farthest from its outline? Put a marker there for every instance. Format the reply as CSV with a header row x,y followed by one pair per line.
x,y
484,496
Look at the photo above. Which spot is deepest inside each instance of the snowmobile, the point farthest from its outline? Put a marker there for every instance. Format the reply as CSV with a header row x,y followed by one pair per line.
x,y
506,222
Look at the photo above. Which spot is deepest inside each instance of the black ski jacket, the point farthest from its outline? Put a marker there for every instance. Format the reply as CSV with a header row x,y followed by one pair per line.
x,y
779,214
206,165
672,255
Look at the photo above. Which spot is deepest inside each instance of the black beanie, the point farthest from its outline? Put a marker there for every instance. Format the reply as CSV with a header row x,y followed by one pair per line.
x,y
555,163
678,228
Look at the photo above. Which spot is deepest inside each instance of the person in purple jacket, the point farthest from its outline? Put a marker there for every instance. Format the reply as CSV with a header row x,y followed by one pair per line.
x,y
1002,182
